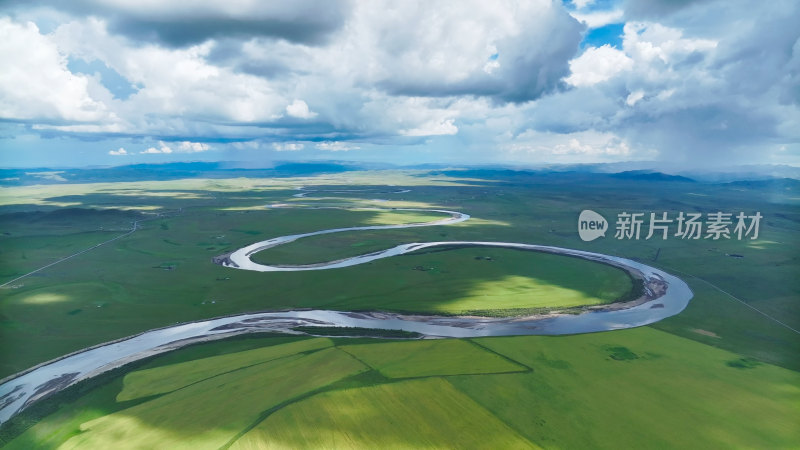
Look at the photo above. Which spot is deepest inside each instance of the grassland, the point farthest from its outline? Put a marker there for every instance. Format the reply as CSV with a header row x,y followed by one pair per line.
x,y
624,389
639,388
718,375
431,357
159,380
163,274
383,417
511,280
191,417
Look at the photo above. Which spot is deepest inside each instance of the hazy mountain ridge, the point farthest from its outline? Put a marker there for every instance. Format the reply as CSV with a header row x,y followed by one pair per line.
x,y
233,169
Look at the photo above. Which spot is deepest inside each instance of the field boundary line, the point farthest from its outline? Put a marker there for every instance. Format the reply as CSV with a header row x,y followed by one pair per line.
x,y
228,372
264,415
507,358
737,299
511,426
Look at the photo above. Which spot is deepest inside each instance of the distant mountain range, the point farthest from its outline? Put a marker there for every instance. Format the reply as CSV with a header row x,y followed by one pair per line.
x,y
649,176
765,175
169,171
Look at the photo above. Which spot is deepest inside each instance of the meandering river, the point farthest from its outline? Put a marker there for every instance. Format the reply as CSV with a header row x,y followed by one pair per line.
x,y
665,295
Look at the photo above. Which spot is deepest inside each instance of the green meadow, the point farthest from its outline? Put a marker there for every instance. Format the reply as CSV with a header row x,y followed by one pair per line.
x,y
159,380
385,416
722,374
431,357
162,273
628,388
191,417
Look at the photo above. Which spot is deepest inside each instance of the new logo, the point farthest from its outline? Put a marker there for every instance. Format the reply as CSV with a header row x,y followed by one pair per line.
x,y
591,225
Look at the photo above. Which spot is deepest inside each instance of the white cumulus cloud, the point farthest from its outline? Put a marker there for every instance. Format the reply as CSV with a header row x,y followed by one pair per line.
x,y
35,82
192,147
597,19
597,64
583,146
120,152
336,146
162,148
182,147
287,146
299,109
443,127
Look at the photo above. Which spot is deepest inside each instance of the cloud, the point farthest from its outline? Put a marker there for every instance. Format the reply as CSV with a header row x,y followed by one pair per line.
x,y
287,146
299,109
584,146
580,4
597,64
703,99
182,147
192,147
120,152
178,86
634,97
597,19
525,46
432,129
336,146
35,83
654,9
476,80
226,88
162,148
52,176
186,23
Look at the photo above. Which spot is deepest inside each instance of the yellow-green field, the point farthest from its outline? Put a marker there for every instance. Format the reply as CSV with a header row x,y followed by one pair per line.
x,y
387,416
637,388
209,413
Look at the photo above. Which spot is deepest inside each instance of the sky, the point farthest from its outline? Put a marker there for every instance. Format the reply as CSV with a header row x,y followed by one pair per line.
x,y
698,84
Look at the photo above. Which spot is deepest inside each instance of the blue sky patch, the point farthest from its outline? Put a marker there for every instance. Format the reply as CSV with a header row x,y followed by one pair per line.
x,y
610,34
118,85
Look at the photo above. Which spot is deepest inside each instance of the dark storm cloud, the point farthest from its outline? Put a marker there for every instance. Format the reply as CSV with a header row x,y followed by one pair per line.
x,y
709,135
229,53
767,57
758,65
176,24
312,29
528,68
